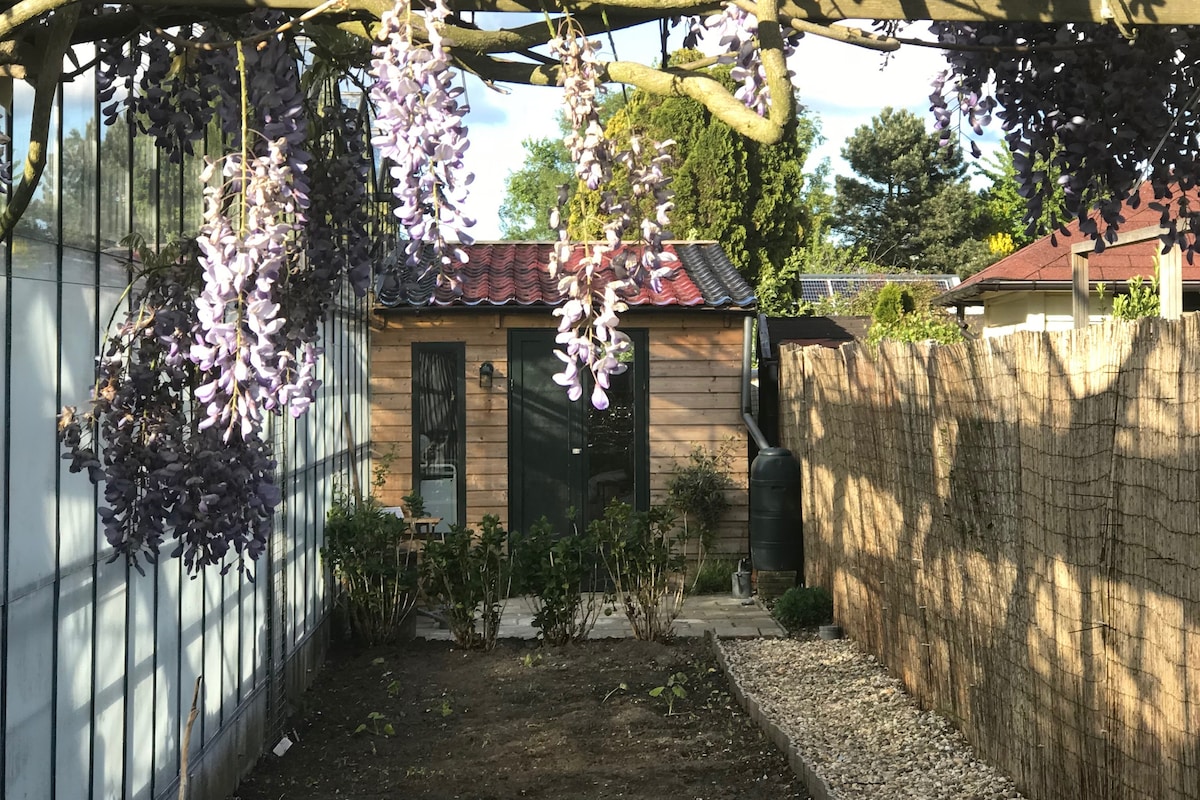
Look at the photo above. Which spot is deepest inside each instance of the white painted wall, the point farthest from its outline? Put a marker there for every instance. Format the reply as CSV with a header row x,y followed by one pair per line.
x,y
1036,311
97,662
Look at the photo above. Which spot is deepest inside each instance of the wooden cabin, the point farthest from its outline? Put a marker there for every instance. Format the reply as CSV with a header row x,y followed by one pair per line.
x,y
462,394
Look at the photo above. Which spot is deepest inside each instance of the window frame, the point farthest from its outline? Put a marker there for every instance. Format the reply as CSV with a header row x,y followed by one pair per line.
x,y
458,350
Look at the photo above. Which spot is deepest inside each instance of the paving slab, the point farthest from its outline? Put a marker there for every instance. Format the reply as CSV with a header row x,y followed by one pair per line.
x,y
722,615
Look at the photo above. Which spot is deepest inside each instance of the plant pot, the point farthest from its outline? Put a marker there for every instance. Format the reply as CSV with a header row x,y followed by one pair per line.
x,y
830,632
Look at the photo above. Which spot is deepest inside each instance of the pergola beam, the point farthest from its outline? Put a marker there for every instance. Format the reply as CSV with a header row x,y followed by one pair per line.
x,y
1170,275
1123,12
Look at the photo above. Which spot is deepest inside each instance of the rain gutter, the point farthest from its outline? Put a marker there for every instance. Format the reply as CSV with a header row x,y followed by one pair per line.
x,y
756,434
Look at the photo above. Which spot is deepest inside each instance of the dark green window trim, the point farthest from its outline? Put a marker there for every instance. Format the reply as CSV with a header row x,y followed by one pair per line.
x,y
439,371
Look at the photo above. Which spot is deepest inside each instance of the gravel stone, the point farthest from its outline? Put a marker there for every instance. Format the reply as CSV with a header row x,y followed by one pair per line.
x,y
854,726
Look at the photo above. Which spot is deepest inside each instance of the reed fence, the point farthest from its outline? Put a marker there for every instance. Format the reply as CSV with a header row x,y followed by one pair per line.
x,y
1013,526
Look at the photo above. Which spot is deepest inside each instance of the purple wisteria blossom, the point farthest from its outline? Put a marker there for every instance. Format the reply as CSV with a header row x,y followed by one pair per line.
x,y
242,260
419,128
588,333
737,32
582,92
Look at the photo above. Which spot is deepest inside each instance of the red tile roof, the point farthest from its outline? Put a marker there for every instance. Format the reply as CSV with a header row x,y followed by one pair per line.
x,y
1046,263
517,273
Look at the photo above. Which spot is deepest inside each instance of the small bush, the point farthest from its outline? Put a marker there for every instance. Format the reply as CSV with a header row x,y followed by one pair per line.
x,y
557,571
640,551
803,607
373,566
898,317
714,577
696,491
1142,299
469,575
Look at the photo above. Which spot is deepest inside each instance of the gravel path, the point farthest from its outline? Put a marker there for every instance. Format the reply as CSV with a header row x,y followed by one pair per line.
x,y
854,727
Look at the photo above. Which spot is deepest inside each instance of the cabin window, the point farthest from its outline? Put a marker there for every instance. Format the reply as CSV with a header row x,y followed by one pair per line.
x,y
439,429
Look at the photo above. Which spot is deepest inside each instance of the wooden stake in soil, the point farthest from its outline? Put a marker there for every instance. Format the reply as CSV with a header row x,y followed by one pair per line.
x,y
355,481
187,740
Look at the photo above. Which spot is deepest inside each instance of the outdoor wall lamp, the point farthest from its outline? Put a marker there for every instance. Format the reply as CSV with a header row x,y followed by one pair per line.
x,y
486,370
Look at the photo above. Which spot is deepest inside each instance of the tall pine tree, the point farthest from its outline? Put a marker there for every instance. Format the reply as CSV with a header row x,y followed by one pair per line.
x,y
911,207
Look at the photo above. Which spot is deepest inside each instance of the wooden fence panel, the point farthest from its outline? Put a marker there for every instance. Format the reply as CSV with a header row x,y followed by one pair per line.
x,y
1010,525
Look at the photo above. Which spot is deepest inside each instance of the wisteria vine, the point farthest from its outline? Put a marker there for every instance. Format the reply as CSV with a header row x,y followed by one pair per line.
x,y
224,332
1059,102
420,130
594,289
161,473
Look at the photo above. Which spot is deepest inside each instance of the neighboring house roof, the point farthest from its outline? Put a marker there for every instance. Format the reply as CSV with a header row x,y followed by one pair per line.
x,y
1046,264
517,274
815,287
827,331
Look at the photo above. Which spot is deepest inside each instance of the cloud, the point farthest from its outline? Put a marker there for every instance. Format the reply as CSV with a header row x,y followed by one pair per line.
x,y
498,125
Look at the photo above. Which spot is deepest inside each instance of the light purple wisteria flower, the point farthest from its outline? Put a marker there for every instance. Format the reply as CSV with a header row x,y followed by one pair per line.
x,y
737,32
582,92
237,311
419,128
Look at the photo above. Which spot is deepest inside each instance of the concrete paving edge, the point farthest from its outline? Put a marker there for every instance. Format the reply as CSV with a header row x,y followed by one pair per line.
x,y
813,782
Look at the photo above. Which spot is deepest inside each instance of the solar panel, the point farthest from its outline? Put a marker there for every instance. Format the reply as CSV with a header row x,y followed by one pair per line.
x,y
816,287
813,290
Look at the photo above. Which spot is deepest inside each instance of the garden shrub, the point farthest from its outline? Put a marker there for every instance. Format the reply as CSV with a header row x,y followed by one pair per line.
x,y
1142,299
373,567
897,317
640,551
803,607
696,492
559,572
469,574
713,577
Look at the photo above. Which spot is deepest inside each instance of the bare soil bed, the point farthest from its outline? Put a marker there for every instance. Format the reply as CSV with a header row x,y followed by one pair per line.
x,y
524,722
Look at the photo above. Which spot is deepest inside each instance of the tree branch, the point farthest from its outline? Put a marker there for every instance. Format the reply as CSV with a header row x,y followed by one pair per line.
x,y
669,82
57,40
770,50
510,40
20,13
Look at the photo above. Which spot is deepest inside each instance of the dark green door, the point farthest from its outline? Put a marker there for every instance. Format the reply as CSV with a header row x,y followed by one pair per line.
x,y
565,455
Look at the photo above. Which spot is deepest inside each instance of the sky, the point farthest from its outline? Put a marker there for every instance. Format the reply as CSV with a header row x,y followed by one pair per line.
x,y
842,84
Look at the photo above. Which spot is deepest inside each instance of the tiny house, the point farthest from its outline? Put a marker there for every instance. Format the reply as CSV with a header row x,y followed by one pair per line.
x,y
463,400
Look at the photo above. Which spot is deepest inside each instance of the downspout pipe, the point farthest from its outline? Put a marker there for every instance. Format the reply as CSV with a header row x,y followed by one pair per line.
x,y
756,434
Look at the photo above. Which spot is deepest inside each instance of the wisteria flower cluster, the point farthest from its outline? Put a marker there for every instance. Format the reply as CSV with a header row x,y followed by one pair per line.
x,y
338,238
226,331
160,473
588,330
586,142
242,260
737,31
419,128
976,108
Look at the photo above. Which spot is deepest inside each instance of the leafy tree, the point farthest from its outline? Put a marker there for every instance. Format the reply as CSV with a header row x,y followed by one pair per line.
x,y
531,191
1004,209
910,206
